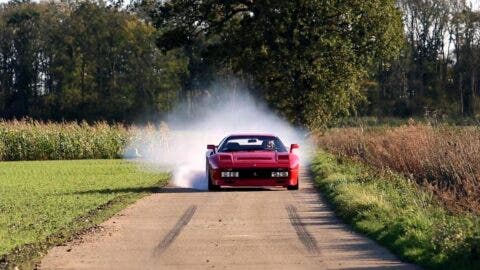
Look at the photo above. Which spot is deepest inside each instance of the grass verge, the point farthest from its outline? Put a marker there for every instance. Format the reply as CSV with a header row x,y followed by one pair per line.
x,y
395,212
46,203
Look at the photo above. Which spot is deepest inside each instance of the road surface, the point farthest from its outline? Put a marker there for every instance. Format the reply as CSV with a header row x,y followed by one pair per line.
x,y
235,229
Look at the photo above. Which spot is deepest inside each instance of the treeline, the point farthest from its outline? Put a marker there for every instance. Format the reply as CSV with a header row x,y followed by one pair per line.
x,y
311,61
437,72
98,60
82,60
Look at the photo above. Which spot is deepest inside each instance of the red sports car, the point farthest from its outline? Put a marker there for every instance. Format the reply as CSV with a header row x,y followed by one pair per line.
x,y
252,160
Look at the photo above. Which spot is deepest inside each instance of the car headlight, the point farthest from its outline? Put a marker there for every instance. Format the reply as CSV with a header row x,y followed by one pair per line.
x,y
279,174
230,174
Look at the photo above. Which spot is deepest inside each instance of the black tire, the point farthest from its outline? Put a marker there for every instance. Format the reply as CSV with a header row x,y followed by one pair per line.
x,y
295,187
211,186
207,174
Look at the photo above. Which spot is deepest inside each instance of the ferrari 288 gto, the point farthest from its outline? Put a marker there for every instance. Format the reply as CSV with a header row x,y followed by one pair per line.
x,y
252,160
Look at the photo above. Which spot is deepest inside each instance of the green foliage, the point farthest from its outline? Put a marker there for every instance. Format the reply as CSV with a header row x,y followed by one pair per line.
x,y
312,61
83,60
61,199
399,215
31,140
308,58
437,70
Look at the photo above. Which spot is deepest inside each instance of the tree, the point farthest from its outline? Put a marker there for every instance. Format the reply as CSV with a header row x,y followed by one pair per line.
x,y
83,60
436,71
23,28
466,36
308,57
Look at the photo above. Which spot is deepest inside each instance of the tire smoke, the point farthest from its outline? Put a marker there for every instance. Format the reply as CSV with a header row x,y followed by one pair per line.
x,y
180,143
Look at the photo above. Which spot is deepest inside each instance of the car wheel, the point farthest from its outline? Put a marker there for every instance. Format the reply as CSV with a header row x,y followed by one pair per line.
x,y
294,187
211,186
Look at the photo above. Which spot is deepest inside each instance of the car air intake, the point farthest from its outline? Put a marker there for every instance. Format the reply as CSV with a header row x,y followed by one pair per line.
x,y
254,158
256,173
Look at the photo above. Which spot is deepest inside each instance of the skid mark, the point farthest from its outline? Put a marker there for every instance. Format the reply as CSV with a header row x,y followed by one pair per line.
x,y
175,231
305,237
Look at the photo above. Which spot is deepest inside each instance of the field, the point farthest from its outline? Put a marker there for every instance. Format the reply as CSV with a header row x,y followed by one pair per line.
x,y
442,159
33,140
411,186
44,203
27,139
395,212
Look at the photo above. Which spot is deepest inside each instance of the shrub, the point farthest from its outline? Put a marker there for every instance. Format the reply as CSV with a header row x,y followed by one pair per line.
x,y
445,159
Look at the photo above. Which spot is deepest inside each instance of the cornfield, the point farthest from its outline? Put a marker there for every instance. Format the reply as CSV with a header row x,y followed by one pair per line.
x,y
444,159
33,140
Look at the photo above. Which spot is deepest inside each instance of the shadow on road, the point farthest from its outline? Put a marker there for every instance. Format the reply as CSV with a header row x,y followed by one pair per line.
x,y
317,216
173,189
168,189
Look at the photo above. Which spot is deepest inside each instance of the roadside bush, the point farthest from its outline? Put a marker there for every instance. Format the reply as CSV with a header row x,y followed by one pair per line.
x,y
444,159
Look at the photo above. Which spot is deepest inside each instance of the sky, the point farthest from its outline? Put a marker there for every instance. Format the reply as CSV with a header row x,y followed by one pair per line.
x,y
476,4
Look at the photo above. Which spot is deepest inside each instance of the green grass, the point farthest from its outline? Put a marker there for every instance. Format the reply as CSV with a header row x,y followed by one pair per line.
x,y
399,215
44,203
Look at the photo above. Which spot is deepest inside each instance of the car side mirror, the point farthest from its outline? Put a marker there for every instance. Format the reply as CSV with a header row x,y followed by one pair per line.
x,y
211,147
294,146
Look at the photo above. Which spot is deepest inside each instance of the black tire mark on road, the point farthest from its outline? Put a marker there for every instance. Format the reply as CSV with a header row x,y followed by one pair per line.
x,y
175,231
305,237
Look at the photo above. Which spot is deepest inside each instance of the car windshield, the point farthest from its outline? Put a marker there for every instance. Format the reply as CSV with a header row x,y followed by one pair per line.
x,y
252,143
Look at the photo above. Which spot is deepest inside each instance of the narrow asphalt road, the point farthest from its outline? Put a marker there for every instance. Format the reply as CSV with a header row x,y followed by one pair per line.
x,y
233,229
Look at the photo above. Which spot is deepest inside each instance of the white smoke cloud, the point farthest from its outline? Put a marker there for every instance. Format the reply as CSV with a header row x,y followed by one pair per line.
x,y
182,145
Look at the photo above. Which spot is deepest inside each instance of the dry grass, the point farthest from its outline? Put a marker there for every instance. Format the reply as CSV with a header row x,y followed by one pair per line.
x,y
444,159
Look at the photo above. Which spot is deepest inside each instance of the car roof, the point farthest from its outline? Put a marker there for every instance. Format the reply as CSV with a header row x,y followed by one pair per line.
x,y
251,135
